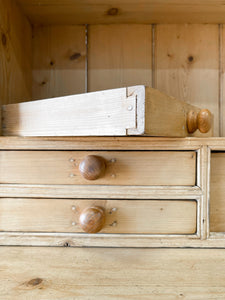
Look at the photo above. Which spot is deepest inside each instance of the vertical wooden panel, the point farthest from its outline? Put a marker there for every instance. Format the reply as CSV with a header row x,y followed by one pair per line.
x,y
187,64
119,55
222,87
58,61
15,54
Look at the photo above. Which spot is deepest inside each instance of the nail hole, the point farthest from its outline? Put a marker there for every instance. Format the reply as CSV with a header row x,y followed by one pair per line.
x,y
113,11
52,63
43,82
66,245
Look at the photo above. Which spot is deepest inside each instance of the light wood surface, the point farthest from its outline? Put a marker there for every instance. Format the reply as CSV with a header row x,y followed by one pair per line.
x,y
119,56
123,167
108,112
121,216
59,54
109,143
66,273
187,65
15,54
217,186
111,11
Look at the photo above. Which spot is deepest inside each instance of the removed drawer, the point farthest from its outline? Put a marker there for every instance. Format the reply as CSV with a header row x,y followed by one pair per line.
x,y
106,216
99,167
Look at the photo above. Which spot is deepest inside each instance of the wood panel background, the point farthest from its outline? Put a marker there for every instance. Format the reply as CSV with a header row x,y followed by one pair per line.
x,y
15,54
182,60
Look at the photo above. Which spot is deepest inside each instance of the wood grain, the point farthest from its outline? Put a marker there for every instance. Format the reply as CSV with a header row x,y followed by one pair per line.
x,y
119,56
217,207
55,215
111,11
187,65
108,112
123,167
58,61
15,54
93,273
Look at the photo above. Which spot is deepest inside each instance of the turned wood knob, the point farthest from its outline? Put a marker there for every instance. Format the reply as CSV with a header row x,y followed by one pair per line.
x,y
199,120
92,167
92,219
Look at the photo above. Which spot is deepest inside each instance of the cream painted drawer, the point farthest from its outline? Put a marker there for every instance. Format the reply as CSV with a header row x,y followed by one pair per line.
x,y
118,216
121,167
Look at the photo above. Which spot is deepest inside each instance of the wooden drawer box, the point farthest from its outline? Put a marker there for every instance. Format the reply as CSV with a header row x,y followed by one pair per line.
x,y
121,167
121,216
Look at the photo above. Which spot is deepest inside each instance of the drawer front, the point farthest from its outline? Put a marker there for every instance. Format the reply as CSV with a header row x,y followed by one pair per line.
x,y
121,216
121,167
217,192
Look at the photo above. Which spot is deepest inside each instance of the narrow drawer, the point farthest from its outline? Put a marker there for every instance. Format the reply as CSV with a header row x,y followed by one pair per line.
x,y
120,167
217,192
120,216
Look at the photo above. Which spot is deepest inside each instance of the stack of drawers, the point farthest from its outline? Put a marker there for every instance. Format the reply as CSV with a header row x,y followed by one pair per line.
x,y
152,193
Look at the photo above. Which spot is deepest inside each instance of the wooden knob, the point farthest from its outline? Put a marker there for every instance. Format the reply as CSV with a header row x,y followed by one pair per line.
x,y
92,167
199,120
92,219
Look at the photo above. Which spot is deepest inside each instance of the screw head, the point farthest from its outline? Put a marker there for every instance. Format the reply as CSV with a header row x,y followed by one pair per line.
x,y
130,107
73,207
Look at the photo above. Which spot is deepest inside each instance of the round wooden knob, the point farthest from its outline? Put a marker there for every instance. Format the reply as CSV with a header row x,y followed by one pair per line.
x,y
199,120
92,167
92,219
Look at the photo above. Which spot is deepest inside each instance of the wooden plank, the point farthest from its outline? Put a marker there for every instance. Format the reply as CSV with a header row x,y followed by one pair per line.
x,y
119,56
54,273
108,143
109,11
58,61
222,82
217,190
101,113
122,167
103,191
55,215
187,65
15,54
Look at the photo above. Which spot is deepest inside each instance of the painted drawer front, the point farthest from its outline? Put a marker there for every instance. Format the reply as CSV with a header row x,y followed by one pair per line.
x,y
122,167
121,216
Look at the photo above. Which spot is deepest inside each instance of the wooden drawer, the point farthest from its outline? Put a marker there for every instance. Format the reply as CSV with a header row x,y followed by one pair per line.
x,y
121,216
217,201
122,167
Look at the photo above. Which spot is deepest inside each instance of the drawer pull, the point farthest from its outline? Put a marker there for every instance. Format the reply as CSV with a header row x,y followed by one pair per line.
x,y
92,219
92,167
201,121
